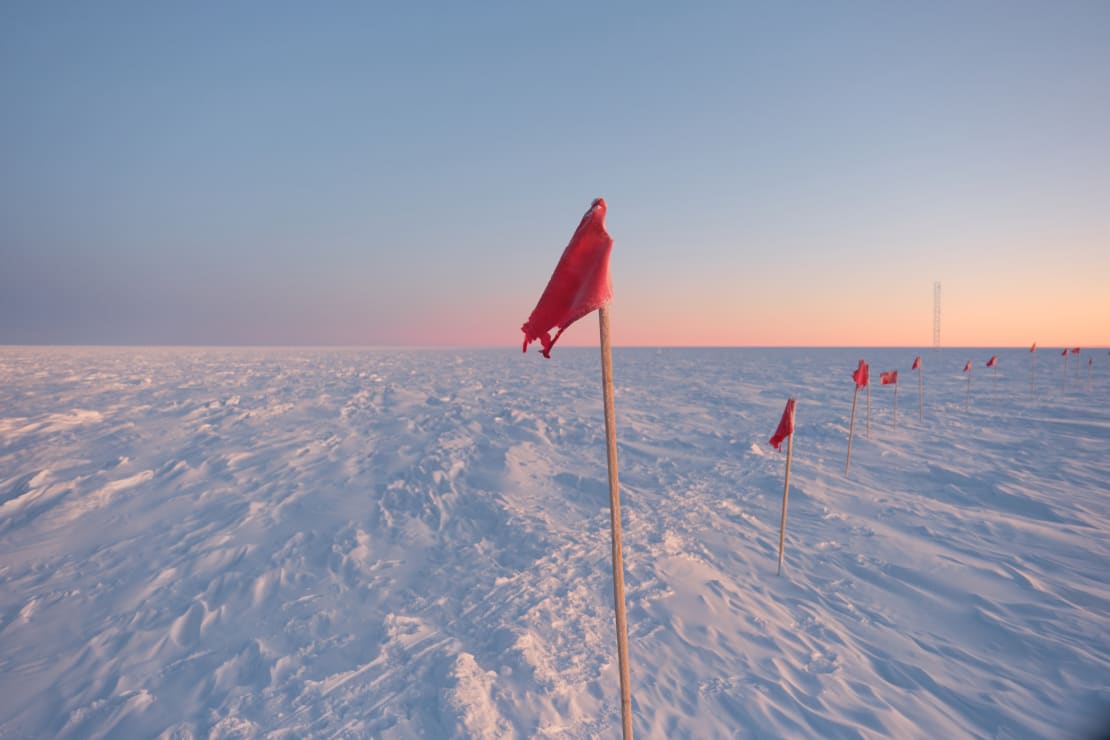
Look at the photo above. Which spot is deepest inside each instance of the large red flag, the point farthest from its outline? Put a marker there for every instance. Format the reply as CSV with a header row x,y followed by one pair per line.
x,y
967,367
992,361
916,362
579,285
862,374
786,425
889,377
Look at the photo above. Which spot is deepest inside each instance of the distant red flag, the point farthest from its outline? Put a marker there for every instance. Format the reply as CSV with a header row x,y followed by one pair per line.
x,y
1065,352
916,363
967,367
1033,348
992,361
862,374
1075,351
579,285
786,425
889,377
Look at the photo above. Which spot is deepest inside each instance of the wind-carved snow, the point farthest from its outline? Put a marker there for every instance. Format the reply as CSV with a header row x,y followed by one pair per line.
x,y
239,543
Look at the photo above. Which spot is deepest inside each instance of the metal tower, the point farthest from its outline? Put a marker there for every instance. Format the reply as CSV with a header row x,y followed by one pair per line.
x,y
936,315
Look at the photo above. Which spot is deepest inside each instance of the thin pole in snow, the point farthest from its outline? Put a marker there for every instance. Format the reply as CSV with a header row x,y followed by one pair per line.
x,y
615,522
786,490
967,403
896,407
851,429
869,408
920,396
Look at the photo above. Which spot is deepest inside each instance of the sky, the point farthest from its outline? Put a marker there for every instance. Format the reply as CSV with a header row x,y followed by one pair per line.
x,y
779,173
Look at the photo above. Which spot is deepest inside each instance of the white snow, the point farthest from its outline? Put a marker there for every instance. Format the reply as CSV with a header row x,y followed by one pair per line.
x,y
406,543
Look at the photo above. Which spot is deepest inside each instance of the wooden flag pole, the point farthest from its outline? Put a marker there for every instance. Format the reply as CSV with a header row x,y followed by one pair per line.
x,y
920,396
967,403
869,408
615,522
786,490
896,407
851,429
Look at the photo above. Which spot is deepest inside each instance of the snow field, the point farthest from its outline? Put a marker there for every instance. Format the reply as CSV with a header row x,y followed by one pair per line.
x,y
404,543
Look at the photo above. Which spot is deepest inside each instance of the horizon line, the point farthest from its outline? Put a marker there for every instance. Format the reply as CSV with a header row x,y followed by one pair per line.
x,y
86,345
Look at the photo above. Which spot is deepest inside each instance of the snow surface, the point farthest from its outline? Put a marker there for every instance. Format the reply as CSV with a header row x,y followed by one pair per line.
x,y
396,543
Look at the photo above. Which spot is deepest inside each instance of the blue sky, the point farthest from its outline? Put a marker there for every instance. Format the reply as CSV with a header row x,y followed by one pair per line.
x,y
361,173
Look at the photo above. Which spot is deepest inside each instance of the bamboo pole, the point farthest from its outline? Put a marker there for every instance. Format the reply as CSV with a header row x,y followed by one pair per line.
x,y
615,522
920,396
967,403
851,429
786,489
869,406
896,407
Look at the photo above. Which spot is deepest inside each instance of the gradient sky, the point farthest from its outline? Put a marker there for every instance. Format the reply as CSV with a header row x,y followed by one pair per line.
x,y
777,173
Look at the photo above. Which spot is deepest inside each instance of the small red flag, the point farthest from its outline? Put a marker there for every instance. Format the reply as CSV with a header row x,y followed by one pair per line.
x,y
916,363
1065,352
1033,348
992,361
967,367
579,285
889,377
1075,351
862,374
786,425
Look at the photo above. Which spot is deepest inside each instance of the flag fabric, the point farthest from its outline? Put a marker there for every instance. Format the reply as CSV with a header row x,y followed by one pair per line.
x,y
1065,352
916,363
967,367
862,374
1033,348
992,361
1075,351
786,425
889,377
580,284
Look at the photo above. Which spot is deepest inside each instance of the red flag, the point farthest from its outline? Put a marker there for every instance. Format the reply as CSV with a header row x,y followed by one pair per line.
x,y
862,374
1075,351
967,367
992,361
579,285
889,377
1033,348
1065,352
916,363
786,425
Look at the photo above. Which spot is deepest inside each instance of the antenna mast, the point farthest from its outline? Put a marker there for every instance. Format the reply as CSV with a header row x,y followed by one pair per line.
x,y
936,316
